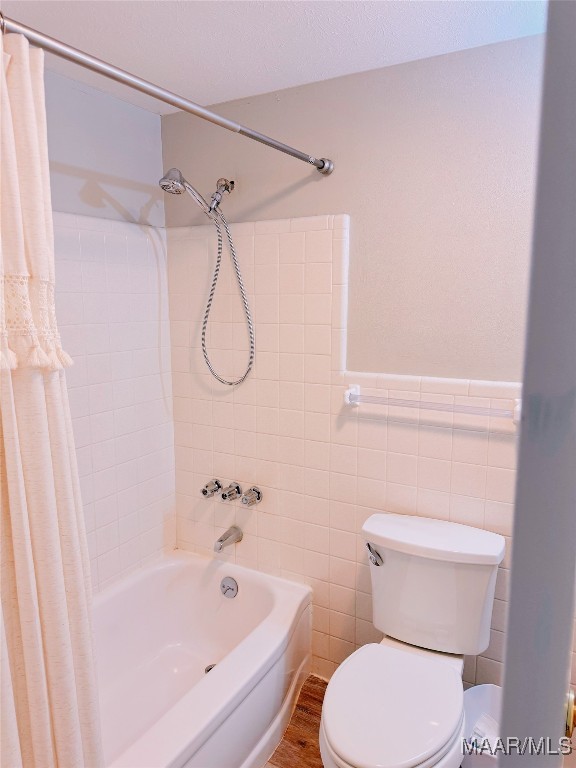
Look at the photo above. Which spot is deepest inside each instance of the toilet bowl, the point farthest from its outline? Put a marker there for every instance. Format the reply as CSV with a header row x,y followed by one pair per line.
x,y
393,707
400,703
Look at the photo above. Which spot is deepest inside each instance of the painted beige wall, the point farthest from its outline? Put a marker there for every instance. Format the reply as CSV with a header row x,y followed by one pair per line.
x,y
435,163
105,155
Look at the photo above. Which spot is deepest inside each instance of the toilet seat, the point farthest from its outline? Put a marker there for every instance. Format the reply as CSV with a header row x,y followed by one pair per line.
x,y
388,708
450,757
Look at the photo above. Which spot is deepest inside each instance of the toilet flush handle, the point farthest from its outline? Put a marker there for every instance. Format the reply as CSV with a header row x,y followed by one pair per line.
x,y
375,558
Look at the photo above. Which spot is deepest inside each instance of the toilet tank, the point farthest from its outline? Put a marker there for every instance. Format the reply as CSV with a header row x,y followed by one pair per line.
x,y
434,582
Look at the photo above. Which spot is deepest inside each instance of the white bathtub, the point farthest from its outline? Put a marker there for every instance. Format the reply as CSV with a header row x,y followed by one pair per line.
x,y
157,631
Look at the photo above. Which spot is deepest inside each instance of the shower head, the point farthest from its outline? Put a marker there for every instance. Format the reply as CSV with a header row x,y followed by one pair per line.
x,y
173,182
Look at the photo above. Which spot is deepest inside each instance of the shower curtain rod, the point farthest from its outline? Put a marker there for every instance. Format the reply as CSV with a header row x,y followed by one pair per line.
x,y
50,44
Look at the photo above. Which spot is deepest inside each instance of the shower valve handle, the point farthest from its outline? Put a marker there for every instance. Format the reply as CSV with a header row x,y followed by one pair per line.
x,y
211,488
252,496
231,492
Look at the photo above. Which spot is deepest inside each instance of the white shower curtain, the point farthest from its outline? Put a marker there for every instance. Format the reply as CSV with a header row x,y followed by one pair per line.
x,y
49,705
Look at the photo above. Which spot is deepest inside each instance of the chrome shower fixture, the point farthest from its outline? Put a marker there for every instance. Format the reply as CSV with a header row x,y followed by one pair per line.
x,y
174,183
232,536
222,185
252,496
211,488
231,491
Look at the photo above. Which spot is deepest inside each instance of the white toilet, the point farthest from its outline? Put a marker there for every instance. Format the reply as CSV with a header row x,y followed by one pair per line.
x,y
399,703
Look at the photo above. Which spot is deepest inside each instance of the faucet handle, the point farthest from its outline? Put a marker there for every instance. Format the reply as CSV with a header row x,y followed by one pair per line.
x,y
211,488
252,496
231,492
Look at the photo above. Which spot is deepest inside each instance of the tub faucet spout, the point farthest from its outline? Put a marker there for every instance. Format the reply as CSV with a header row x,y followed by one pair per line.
x,y
232,536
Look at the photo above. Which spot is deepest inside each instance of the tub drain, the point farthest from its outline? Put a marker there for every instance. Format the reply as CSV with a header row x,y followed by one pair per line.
x,y
208,668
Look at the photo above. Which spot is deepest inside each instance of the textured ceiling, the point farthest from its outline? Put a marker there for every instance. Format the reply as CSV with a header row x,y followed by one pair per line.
x,y
228,49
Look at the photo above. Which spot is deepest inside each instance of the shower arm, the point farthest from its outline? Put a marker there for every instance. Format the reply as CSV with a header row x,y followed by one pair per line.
x,y
50,44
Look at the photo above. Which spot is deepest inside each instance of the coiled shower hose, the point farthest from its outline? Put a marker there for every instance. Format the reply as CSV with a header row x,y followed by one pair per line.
x,y
217,218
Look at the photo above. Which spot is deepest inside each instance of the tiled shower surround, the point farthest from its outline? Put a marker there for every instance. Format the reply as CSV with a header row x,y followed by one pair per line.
x,y
323,466
112,302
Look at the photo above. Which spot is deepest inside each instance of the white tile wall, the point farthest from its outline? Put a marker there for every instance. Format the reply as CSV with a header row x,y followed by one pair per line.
x,y
112,303
324,467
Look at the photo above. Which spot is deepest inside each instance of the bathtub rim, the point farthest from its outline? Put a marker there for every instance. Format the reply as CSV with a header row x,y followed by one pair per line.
x,y
168,742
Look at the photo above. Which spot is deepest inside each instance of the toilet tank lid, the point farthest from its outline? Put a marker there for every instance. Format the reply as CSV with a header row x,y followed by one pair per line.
x,y
435,539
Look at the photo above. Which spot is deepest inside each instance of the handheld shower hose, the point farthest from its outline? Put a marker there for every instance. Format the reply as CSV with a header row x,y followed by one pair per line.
x,y
249,323
174,183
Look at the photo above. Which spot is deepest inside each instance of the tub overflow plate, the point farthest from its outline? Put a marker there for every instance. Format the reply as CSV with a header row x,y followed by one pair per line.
x,y
229,587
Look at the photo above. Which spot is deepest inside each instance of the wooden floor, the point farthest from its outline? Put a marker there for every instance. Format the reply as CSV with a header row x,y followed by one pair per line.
x,y
299,746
